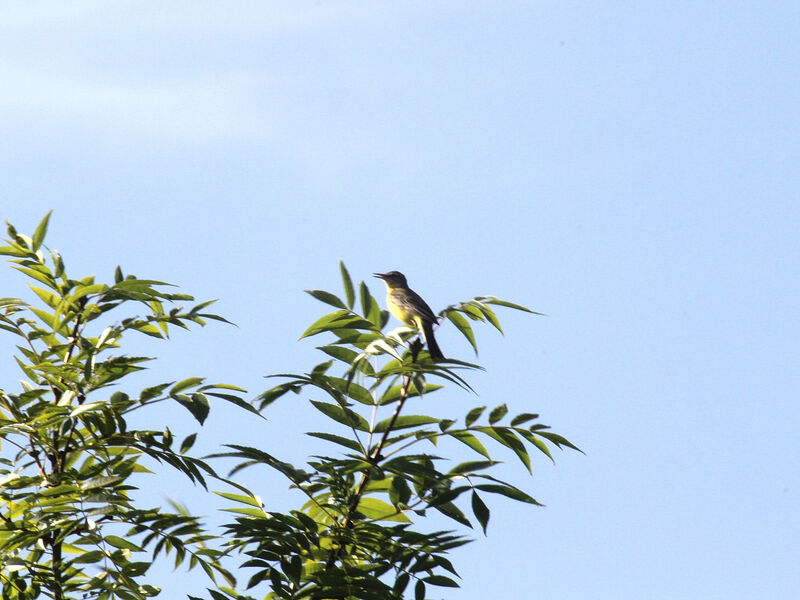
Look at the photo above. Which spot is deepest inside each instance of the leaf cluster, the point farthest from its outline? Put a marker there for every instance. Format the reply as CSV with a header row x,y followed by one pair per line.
x,y
358,535
68,521
70,524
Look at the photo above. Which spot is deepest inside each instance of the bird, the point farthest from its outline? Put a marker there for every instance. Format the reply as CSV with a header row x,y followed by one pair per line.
x,y
407,306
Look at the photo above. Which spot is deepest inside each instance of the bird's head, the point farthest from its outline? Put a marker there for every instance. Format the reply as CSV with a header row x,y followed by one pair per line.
x,y
393,279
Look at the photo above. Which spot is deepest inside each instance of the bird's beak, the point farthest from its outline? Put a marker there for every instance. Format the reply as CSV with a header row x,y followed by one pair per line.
x,y
380,275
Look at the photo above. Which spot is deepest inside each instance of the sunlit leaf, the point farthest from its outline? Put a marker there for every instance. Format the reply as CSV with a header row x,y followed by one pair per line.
x,y
40,232
405,421
186,384
378,510
464,327
119,542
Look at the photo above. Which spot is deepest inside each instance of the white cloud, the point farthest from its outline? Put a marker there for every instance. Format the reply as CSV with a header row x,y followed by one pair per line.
x,y
241,18
181,72
181,110
131,76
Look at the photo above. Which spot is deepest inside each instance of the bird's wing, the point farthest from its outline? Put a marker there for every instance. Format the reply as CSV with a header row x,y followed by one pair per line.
x,y
413,303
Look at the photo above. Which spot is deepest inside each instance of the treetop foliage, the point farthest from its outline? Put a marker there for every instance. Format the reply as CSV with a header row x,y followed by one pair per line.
x,y
71,527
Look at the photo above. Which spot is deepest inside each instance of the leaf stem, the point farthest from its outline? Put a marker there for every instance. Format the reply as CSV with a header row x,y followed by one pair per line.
x,y
374,457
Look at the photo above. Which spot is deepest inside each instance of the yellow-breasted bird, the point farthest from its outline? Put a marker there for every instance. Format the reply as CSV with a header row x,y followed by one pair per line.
x,y
405,304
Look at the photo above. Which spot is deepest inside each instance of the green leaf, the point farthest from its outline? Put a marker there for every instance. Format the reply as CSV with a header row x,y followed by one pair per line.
x,y
464,327
401,582
404,422
187,443
336,439
523,418
101,482
249,500
451,510
12,251
152,392
370,308
481,511
489,314
342,415
148,329
47,297
497,414
558,440
510,440
399,491
440,580
40,232
471,441
474,415
337,320
119,542
536,441
327,298
345,355
472,466
498,302
352,390
349,292
89,406
197,404
186,384
89,557
44,316
419,590
395,392
508,491
378,510
44,278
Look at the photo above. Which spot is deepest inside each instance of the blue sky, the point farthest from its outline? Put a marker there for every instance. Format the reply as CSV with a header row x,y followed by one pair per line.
x,y
628,168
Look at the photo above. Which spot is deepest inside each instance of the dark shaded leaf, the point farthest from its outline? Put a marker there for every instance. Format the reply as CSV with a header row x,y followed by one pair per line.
x,y
508,491
497,414
440,580
523,418
187,443
337,439
197,404
347,283
342,415
419,590
474,415
481,511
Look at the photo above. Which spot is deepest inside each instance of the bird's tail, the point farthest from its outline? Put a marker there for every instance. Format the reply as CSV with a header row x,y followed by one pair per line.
x,y
433,347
